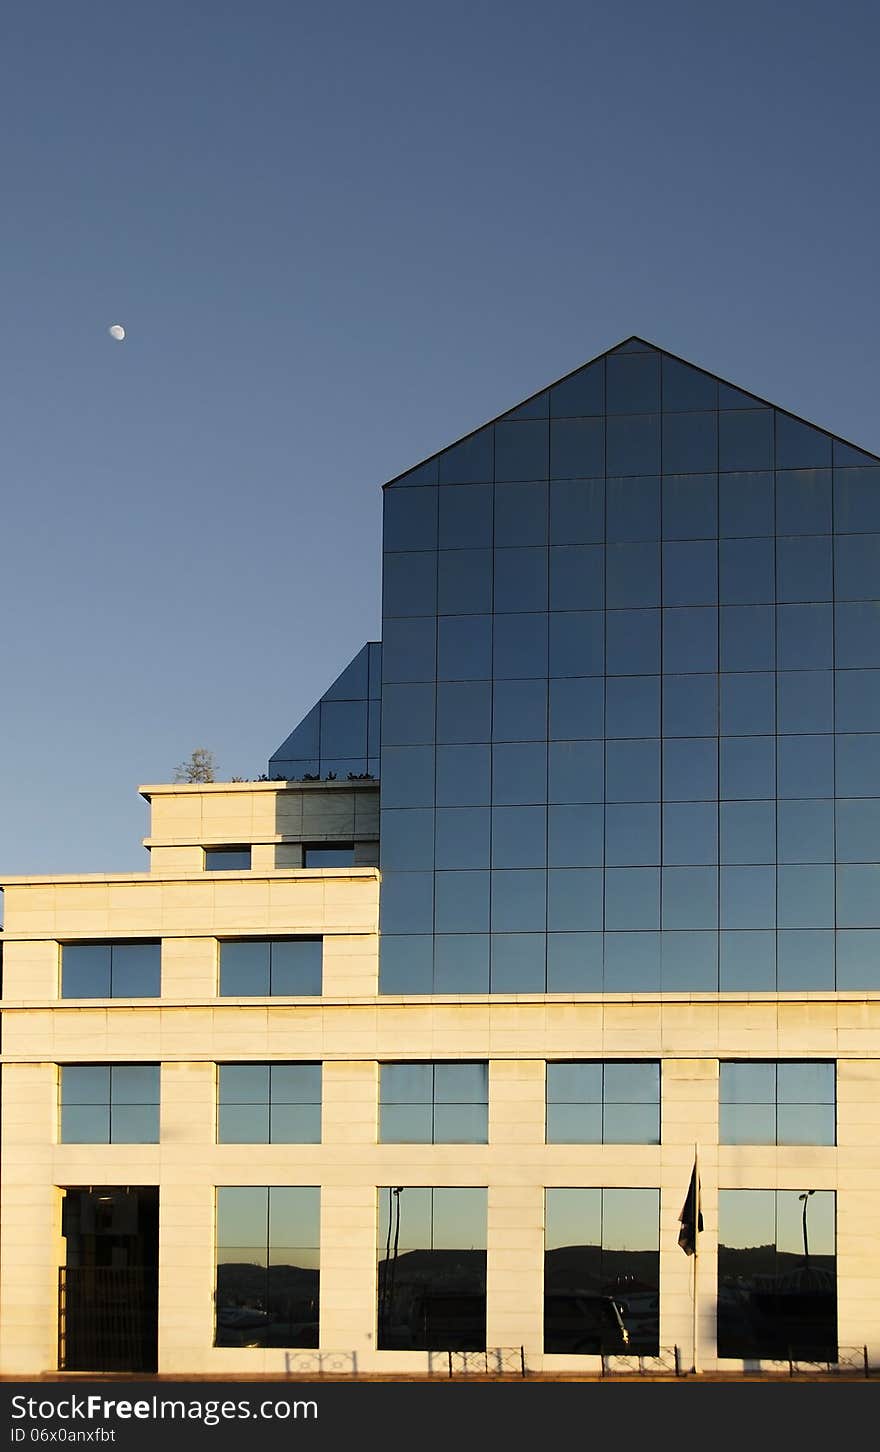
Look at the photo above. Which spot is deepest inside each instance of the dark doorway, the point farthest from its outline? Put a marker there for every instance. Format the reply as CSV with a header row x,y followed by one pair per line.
x,y
108,1289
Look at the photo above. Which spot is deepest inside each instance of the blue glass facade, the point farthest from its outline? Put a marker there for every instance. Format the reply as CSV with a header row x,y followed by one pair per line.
x,y
340,735
631,697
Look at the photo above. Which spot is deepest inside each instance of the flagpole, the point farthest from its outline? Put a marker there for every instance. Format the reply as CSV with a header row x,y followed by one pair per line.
x,y
696,1253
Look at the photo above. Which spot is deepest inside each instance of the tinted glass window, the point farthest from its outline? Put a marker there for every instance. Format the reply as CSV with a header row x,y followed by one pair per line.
x,y
464,582
748,703
576,644
745,439
686,388
577,448
269,1103
632,642
521,579
464,645
465,518
632,576
521,514
577,577
690,442
268,1265
409,584
690,573
422,1232
690,506
690,833
632,706
632,771
521,450
632,383
227,859
632,509
803,501
469,462
857,565
259,967
434,1103
464,712
323,855
690,640
596,1239
109,1104
603,1103
857,501
745,504
577,511
110,970
633,444
768,1237
581,394
410,519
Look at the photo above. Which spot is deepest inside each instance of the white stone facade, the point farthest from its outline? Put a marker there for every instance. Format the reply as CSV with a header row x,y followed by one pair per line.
x,y
351,1029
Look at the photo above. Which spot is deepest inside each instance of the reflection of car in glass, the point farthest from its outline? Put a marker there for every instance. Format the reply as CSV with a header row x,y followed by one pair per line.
x,y
451,1320
584,1324
641,1313
241,1318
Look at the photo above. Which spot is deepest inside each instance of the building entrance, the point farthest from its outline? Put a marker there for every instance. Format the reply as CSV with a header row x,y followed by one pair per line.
x,y
108,1287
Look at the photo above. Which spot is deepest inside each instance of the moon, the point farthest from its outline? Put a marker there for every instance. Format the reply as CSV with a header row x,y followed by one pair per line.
x,y
116,331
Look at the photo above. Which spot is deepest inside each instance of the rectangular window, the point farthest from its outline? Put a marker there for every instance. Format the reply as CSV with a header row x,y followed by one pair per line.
x,y
785,1102
227,859
432,1269
777,1274
596,1102
337,854
263,967
110,970
434,1103
109,1103
269,1104
602,1272
267,1265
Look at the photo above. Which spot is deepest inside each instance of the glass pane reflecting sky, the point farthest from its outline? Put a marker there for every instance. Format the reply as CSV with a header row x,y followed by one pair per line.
x,y
576,580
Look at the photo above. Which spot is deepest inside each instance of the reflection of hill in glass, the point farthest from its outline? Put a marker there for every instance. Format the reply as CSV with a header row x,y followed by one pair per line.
x,y
465,1268
765,1266
605,1272
776,1304
239,1281
433,1300
260,1307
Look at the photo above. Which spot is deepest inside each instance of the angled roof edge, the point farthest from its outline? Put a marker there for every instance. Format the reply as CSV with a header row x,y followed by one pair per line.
x,y
656,347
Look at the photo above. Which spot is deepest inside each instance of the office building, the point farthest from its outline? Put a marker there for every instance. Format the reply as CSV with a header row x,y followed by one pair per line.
x,y
388,1086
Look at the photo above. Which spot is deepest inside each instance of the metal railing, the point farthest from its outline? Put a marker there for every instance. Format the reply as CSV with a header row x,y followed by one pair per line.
x,y
494,1361
107,1318
665,1362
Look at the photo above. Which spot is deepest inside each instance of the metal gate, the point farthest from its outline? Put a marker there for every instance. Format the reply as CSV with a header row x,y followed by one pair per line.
x,y
107,1318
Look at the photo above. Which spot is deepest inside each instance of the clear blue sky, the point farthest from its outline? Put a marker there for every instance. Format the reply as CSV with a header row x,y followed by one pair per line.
x,y
340,236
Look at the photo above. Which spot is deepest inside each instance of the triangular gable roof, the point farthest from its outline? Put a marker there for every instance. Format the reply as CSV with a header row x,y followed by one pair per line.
x,y
846,452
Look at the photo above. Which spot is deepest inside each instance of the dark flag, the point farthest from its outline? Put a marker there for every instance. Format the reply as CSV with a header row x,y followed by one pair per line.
x,y
691,1216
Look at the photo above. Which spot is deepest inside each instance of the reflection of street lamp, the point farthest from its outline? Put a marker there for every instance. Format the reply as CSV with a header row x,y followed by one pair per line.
x,y
805,1197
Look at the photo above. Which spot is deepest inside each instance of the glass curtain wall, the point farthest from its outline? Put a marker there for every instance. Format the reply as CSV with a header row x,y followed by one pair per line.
x,y
631,697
